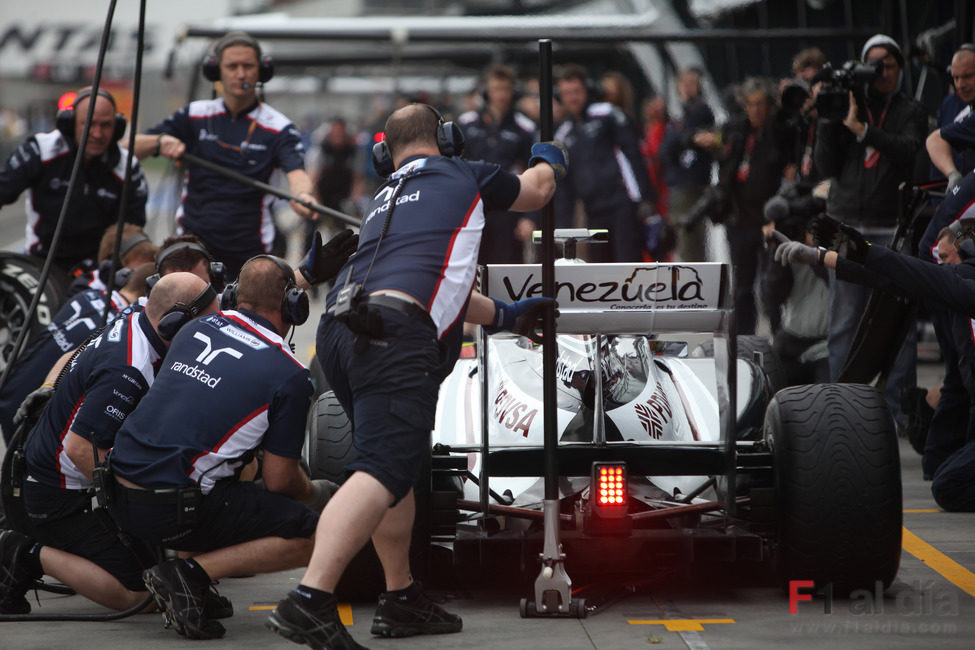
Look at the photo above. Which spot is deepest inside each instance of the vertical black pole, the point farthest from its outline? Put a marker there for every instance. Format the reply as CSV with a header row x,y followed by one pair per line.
x,y
550,349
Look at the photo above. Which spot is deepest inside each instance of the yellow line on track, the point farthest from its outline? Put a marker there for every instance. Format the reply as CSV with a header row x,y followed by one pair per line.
x,y
682,624
345,611
955,573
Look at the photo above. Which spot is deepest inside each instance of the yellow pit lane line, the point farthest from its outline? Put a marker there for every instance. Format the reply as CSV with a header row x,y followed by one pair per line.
x,y
682,624
345,611
953,572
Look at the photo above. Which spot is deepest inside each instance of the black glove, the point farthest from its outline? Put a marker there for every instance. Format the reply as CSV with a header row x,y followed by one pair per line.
x,y
835,235
521,317
323,262
33,404
554,153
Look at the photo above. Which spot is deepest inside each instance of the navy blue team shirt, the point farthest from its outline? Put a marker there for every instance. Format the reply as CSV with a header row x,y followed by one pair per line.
x,y
228,385
105,382
430,250
78,319
232,219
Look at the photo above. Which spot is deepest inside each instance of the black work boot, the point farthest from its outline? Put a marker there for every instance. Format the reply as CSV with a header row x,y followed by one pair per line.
x,y
320,628
182,598
16,577
408,612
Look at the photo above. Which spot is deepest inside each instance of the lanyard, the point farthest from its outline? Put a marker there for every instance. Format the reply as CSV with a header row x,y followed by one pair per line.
x,y
883,114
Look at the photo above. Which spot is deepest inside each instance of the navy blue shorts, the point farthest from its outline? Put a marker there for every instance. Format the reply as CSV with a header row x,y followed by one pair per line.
x,y
233,513
389,391
87,534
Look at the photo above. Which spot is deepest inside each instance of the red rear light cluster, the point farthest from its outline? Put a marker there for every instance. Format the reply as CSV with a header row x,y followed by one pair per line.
x,y
610,485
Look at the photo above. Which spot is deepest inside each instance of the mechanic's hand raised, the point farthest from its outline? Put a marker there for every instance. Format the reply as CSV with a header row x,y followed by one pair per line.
x,y
33,404
554,153
323,262
521,317
793,252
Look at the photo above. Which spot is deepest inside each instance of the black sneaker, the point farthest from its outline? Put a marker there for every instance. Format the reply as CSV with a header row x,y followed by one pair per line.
x,y
321,629
181,599
409,612
217,606
15,577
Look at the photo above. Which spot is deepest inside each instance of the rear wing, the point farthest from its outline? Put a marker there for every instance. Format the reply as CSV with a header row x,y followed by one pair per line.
x,y
624,298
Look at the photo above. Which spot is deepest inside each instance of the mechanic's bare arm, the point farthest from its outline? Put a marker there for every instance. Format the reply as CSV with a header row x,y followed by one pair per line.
x,y
300,185
537,188
285,476
480,310
940,152
79,450
55,370
149,145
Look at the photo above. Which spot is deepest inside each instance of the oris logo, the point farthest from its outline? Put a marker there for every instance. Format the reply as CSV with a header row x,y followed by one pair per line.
x,y
115,412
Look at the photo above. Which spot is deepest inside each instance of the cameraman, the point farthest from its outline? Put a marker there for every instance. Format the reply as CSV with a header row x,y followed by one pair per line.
x,y
868,155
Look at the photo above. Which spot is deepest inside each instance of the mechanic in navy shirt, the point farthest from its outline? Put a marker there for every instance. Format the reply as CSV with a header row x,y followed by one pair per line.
x,y
229,386
416,264
78,319
43,165
104,383
608,172
241,133
497,133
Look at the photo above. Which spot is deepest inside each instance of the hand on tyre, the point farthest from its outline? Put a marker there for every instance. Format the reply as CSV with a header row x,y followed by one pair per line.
x,y
33,404
322,491
323,262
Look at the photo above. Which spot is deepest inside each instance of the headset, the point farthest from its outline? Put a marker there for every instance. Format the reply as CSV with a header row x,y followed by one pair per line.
x,y
450,142
963,230
122,274
211,62
294,303
180,314
65,121
217,269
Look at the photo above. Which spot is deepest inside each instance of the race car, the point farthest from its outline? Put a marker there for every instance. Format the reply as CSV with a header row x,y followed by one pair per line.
x,y
663,458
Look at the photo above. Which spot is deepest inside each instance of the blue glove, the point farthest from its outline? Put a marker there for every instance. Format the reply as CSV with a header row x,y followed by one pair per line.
x,y
554,153
324,261
522,317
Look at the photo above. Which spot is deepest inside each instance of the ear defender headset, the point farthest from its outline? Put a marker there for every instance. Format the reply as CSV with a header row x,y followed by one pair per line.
x,y
217,269
65,120
180,314
450,142
211,62
963,231
122,274
294,302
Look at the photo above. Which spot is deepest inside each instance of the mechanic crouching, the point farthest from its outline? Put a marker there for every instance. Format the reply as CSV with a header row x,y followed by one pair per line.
x,y
391,333
949,286
102,385
229,386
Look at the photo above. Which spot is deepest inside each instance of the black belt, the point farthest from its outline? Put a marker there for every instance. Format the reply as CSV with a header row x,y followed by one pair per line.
x,y
166,496
407,307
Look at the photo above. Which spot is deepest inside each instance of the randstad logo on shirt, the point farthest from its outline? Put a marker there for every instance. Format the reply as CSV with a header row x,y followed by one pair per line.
x,y
196,372
406,198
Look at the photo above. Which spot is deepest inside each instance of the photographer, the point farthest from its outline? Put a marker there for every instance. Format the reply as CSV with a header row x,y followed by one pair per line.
x,y
868,154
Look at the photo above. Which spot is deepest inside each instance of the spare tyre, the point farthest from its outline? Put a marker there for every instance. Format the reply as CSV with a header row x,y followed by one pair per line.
x,y
19,279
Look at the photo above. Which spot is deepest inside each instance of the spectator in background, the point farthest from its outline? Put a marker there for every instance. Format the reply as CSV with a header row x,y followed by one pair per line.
x,y
687,167
754,160
868,155
654,131
500,134
618,91
334,178
608,173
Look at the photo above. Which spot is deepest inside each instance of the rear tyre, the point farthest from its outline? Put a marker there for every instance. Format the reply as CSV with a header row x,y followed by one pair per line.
x,y
19,276
837,486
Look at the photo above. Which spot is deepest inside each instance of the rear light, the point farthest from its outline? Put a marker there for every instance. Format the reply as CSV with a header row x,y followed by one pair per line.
x,y
606,512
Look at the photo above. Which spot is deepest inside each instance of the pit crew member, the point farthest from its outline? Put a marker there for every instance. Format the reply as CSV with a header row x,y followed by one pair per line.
x,y
104,383
386,350
43,165
241,133
229,385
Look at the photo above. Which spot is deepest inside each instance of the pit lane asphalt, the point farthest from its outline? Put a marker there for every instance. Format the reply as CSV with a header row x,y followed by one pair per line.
x,y
931,603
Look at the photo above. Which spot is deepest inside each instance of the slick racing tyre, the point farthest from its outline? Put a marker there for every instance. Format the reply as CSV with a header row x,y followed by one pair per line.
x,y
19,276
837,486
328,439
